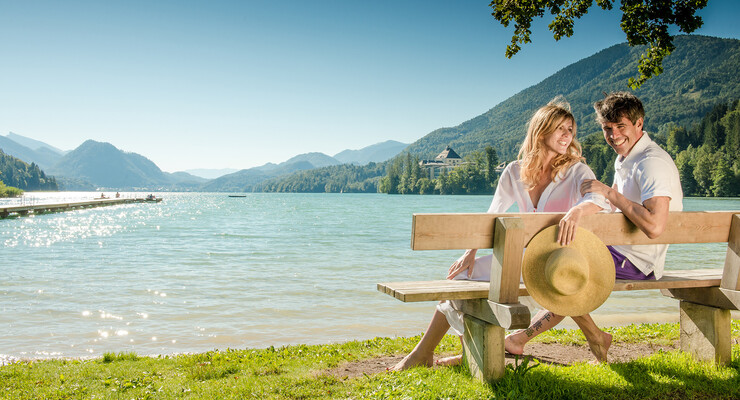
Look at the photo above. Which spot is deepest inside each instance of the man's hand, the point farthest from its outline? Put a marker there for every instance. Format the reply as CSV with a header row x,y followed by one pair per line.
x,y
465,262
594,186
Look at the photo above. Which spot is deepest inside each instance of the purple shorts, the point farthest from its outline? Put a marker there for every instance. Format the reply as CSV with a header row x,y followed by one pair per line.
x,y
625,269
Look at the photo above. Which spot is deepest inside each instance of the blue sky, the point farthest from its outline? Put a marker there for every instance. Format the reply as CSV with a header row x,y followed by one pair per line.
x,y
235,84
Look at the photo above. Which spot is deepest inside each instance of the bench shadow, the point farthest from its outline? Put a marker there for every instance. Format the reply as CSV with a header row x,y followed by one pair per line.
x,y
513,359
666,377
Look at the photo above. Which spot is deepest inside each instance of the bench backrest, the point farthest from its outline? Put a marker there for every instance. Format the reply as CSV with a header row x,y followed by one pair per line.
x,y
508,234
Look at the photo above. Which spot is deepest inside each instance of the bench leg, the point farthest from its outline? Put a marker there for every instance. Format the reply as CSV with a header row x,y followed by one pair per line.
x,y
483,349
705,332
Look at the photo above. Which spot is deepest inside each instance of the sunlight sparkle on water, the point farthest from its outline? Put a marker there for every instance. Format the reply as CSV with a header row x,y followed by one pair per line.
x,y
107,315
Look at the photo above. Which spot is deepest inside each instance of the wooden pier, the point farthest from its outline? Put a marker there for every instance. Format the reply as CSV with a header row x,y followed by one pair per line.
x,y
24,210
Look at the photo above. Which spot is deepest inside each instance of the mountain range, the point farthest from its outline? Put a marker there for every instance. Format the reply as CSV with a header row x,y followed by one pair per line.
x,y
101,165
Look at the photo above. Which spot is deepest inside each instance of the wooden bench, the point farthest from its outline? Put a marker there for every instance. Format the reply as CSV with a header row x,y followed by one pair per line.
x,y
705,296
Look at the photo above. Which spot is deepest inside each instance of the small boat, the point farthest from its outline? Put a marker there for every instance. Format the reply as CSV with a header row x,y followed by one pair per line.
x,y
237,195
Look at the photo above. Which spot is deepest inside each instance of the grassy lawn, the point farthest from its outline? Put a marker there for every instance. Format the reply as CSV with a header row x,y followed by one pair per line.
x,y
300,372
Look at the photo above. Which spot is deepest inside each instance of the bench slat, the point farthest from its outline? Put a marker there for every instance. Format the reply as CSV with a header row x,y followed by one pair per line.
x,y
475,231
414,291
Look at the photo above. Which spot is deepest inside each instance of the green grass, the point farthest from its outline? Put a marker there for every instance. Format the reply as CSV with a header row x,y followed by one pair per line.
x,y
299,372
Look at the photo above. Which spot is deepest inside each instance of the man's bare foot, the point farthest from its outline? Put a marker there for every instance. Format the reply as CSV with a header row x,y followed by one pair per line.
x,y
512,345
449,361
600,348
413,360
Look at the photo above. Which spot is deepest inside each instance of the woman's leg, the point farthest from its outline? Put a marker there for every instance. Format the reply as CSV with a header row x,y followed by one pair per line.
x,y
423,353
542,321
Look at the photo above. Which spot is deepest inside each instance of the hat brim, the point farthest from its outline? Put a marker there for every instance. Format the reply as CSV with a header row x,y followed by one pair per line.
x,y
593,294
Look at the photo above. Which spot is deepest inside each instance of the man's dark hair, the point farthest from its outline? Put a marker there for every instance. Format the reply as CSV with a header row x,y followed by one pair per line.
x,y
616,105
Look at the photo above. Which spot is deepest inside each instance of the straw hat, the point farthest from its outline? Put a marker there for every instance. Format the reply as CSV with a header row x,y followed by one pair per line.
x,y
572,280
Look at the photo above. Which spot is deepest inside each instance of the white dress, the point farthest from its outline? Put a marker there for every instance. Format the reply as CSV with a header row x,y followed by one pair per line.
x,y
559,196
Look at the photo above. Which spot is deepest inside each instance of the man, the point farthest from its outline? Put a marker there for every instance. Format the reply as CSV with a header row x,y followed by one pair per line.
x,y
646,180
646,187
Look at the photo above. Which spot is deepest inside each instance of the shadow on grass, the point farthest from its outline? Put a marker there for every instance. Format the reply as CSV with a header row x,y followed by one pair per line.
x,y
512,358
662,376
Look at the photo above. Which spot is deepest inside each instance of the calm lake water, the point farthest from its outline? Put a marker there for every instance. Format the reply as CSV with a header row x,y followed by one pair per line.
x,y
204,271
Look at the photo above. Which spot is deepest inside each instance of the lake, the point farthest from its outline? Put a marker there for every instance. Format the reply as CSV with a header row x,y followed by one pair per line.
x,y
204,271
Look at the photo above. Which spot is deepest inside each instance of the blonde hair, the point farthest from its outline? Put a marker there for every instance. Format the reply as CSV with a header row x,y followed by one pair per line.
x,y
543,123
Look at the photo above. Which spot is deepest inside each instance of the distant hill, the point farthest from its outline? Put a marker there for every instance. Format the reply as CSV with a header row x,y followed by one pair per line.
x,y
184,180
102,165
29,150
318,160
208,173
34,144
700,73
375,153
252,179
246,179
19,174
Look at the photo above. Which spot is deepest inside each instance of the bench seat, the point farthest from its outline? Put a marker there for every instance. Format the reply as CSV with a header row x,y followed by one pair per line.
x,y
465,290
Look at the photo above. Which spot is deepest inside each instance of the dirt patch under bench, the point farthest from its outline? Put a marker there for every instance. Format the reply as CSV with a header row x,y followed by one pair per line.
x,y
549,353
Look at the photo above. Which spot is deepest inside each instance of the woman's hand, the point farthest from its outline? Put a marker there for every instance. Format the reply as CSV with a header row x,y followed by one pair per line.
x,y
465,262
568,226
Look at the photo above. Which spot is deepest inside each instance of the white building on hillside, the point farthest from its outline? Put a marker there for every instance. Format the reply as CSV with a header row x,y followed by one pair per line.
x,y
447,160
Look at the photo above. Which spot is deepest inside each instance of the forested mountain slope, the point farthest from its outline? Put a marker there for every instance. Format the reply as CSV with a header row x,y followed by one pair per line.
x,y
699,74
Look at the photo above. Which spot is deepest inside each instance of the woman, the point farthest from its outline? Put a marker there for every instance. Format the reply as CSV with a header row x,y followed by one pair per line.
x,y
546,178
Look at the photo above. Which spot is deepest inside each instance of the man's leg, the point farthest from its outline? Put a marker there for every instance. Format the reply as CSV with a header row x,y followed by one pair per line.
x,y
598,340
624,269
423,353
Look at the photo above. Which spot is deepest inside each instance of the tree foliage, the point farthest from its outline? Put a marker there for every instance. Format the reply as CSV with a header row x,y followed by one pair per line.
x,y
645,22
9,191
18,174
345,178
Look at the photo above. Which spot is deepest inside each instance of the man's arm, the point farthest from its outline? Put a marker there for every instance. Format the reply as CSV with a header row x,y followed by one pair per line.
x,y
651,216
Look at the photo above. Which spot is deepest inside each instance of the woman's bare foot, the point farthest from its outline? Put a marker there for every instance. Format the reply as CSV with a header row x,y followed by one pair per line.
x,y
414,360
449,361
600,348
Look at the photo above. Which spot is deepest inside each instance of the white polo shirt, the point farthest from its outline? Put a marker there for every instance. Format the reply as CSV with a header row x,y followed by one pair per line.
x,y
648,171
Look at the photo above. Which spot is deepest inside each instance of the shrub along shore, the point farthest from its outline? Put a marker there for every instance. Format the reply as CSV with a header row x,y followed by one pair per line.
x,y
315,372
